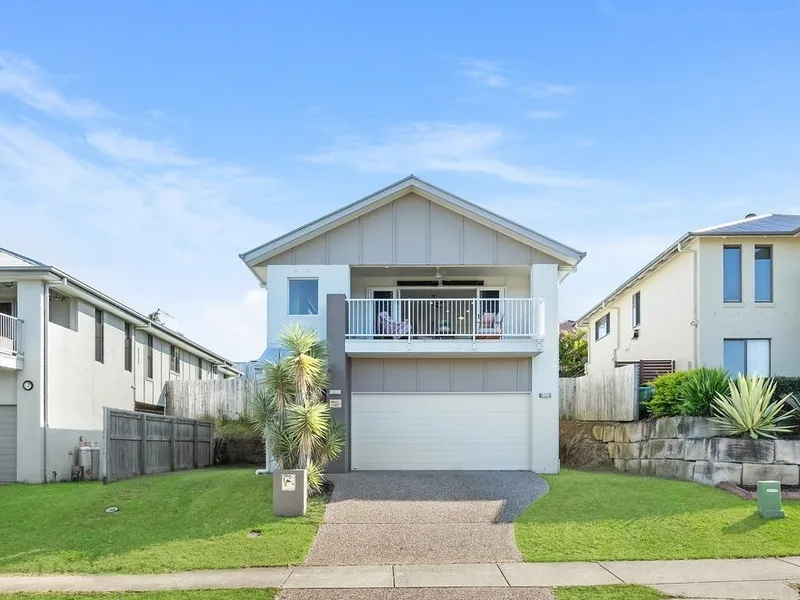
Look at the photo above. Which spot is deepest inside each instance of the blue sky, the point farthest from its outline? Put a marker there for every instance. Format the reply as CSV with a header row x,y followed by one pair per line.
x,y
144,145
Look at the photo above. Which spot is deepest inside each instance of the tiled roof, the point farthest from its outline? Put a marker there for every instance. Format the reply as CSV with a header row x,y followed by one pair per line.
x,y
770,224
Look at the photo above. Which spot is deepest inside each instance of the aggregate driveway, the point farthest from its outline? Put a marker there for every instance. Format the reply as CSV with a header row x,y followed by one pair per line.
x,y
423,517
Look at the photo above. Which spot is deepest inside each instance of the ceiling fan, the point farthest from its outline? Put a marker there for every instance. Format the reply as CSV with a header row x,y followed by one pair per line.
x,y
439,276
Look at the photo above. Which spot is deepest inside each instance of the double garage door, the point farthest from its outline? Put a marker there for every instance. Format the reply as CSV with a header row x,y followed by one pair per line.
x,y
8,443
432,427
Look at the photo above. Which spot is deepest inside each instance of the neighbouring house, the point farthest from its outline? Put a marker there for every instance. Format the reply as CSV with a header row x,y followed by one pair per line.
x,y
721,296
68,350
441,320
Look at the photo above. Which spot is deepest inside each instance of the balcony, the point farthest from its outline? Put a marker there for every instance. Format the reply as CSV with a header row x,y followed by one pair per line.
x,y
445,326
10,342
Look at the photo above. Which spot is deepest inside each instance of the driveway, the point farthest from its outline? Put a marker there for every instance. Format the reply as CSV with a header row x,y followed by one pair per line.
x,y
423,517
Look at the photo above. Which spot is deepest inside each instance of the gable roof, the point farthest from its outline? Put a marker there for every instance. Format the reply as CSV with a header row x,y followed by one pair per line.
x,y
770,224
12,259
396,190
761,225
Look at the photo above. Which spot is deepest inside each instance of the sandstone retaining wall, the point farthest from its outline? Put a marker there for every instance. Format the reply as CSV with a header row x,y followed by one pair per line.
x,y
687,448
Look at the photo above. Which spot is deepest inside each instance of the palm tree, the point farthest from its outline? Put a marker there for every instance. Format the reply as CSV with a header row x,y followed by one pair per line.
x,y
290,411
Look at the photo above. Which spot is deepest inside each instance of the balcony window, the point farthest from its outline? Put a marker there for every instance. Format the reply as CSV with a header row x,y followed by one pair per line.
x,y
747,357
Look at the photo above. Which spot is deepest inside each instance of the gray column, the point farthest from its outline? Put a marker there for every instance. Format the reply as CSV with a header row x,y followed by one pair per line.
x,y
339,372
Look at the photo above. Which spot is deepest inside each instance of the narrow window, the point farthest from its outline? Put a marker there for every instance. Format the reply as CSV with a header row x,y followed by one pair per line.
x,y
732,273
763,273
747,357
303,297
128,347
175,359
636,309
602,326
99,336
149,356
199,368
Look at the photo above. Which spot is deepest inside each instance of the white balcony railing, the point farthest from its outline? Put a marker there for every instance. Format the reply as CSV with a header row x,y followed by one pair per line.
x,y
10,329
438,318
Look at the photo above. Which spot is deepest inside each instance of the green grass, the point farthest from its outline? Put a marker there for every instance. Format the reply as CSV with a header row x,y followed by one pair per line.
x,y
244,594
609,516
609,592
171,522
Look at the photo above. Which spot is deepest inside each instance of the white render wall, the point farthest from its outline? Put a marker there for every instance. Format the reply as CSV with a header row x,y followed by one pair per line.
x,y
544,396
778,321
78,387
666,331
333,279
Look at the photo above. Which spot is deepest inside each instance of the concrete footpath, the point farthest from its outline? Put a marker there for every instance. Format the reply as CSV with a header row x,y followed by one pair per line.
x,y
767,579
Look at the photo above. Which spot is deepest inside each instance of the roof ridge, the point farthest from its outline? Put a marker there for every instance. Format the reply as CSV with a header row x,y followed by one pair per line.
x,y
737,222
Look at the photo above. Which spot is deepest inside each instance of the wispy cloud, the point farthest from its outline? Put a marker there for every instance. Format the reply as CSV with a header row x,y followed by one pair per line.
x,y
445,147
545,114
485,72
541,90
28,83
132,149
139,218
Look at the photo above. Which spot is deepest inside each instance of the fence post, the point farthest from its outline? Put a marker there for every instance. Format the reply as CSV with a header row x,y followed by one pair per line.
x,y
143,444
173,446
194,443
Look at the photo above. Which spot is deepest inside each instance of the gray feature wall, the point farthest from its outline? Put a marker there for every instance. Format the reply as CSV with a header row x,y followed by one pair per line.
x,y
339,372
440,375
412,231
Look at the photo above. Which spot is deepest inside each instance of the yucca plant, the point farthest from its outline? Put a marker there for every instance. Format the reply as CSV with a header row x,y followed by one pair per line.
x,y
289,409
700,388
750,410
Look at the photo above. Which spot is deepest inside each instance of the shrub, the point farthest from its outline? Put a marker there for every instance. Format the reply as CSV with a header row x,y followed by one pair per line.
x,y
750,410
289,409
700,388
667,400
787,385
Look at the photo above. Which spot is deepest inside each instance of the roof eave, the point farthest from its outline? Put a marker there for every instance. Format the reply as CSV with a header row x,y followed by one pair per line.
x,y
665,255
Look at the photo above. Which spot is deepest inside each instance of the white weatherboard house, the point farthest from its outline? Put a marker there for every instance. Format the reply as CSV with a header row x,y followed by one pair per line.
x,y
442,325
66,351
721,296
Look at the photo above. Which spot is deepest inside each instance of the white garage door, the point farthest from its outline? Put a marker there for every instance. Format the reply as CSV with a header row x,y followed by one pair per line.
x,y
8,443
440,431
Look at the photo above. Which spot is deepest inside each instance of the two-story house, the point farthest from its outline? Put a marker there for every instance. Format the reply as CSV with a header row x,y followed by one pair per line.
x,y
441,320
68,350
721,296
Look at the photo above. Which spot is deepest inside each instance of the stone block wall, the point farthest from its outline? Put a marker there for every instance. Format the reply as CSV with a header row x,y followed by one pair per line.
x,y
687,448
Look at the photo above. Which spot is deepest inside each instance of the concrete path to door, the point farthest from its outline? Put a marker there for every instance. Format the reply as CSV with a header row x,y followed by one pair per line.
x,y
423,517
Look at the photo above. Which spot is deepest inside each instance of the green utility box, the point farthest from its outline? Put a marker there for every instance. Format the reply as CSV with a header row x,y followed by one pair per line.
x,y
768,498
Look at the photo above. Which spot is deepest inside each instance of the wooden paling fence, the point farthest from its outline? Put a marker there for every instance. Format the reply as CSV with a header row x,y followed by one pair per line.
x,y
139,443
210,398
611,395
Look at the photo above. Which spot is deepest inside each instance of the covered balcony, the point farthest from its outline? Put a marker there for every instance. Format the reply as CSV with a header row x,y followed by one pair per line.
x,y
442,321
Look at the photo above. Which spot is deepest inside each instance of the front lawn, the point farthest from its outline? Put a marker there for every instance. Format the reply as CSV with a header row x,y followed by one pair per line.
x,y
609,592
610,516
243,594
171,522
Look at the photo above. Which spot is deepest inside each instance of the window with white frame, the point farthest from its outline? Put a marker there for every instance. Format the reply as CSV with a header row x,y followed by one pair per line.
x,y
303,297
732,273
747,356
174,359
602,327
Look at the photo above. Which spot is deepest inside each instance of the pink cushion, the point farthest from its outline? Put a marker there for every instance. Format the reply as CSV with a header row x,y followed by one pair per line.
x,y
488,320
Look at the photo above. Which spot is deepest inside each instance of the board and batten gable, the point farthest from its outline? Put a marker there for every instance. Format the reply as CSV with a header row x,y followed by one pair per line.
x,y
411,231
778,321
667,311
